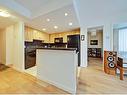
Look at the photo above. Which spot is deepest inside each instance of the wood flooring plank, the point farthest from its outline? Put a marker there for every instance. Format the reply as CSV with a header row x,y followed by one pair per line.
x,y
91,80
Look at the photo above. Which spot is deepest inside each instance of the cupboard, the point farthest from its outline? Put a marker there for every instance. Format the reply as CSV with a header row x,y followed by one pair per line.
x,y
63,35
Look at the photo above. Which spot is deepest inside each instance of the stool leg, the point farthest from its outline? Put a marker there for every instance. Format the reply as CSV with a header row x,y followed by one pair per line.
x,y
121,73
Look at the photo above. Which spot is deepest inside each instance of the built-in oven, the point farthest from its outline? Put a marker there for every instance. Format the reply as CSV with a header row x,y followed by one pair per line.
x,y
30,52
30,57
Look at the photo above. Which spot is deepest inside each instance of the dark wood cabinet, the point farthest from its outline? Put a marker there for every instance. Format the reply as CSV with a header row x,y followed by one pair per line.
x,y
94,52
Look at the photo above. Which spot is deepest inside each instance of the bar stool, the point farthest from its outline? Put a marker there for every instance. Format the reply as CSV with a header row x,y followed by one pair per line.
x,y
121,66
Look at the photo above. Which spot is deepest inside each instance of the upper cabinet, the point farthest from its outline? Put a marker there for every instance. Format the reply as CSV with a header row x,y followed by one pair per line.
x,y
31,34
63,35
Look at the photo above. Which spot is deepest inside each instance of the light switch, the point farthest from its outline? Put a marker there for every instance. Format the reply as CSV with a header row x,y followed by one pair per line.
x,y
82,37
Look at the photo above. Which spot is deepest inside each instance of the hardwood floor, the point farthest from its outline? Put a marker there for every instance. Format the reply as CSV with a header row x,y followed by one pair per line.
x,y
93,80
13,82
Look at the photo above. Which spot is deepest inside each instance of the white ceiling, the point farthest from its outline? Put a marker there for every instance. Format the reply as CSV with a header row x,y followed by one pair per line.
x,y
33,5
99,12
57,18
41,7
35,12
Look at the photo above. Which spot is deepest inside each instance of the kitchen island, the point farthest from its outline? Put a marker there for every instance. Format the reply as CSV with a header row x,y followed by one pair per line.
x,y
58,66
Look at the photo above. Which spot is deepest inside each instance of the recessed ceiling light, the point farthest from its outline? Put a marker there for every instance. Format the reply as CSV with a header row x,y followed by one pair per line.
x,y
44,29
55,27
70,24
48,19
66,14
4,13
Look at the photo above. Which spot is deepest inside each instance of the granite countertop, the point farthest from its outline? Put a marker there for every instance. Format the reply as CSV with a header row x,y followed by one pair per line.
x,y
69,49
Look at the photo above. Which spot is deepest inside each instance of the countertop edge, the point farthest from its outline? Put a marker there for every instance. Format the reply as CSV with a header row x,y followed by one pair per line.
x,y
68,49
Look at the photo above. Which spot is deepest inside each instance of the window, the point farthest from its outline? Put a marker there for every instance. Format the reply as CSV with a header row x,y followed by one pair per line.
x,y
122,42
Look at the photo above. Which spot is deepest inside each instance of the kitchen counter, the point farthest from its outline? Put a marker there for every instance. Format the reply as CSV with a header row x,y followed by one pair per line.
x,y
58,66
68,49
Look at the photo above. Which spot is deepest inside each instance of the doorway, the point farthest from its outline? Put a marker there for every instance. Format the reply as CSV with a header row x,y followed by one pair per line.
x,y
95,46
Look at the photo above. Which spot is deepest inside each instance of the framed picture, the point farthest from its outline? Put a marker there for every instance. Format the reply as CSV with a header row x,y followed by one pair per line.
x,y
93,42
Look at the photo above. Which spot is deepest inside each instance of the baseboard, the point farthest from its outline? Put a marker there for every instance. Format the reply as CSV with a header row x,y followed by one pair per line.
x,y
69,90
9,65
17,69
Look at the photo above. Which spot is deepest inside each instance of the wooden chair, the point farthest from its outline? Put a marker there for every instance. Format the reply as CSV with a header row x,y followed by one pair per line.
x,y
120,67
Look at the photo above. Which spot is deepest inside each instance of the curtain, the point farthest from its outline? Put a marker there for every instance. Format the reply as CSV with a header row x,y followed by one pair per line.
x,y
122,43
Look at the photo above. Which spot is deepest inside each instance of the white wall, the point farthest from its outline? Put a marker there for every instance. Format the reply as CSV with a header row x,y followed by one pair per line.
x,y
18,45
98,36
108,37
6,45
115,39
9,44
12,45
83,48
58,67
3,46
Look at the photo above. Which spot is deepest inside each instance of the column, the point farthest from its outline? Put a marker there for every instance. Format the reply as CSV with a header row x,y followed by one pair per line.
x,y
108,37
83,54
